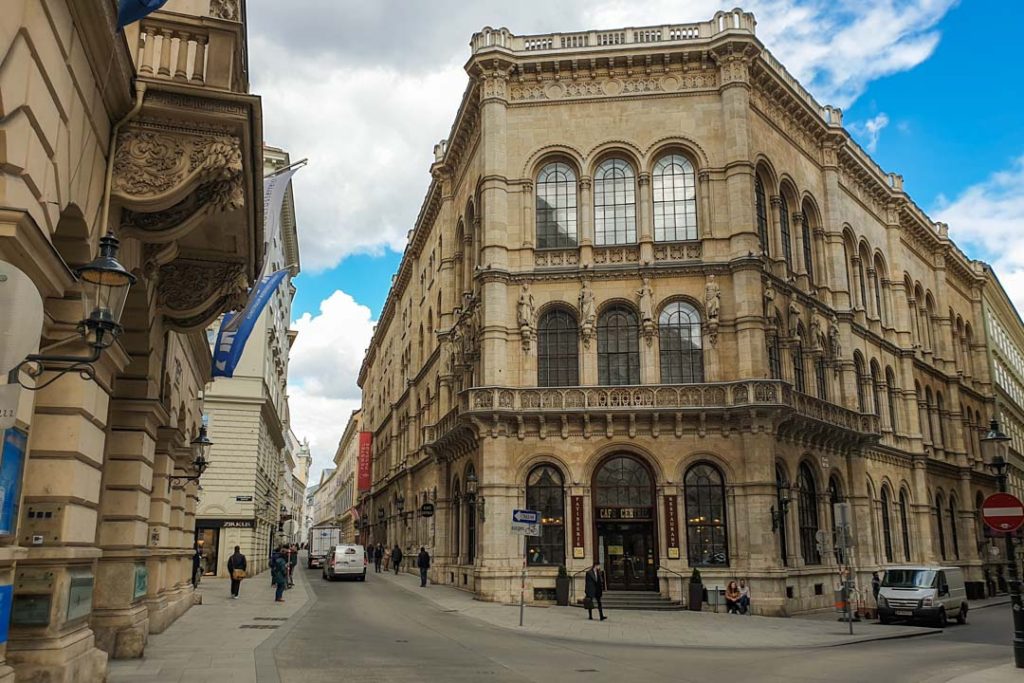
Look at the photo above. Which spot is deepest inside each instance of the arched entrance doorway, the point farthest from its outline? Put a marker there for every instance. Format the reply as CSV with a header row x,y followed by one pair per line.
x,y
624,520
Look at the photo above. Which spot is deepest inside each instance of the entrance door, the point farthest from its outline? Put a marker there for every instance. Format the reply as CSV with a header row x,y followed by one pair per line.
x,y
625,524
208,539
629,559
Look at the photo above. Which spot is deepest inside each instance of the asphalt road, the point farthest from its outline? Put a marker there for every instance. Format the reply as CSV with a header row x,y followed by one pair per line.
x,y
376,631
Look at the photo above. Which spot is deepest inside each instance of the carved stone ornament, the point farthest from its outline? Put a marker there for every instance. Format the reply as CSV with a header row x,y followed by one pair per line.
x,y
525,316
588,313
645,302
834,347
794,318
224,9
192,292
712,298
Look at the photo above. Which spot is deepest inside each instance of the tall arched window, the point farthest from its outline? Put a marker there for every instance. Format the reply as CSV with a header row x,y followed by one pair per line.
x,y
858,371
781,501
558,363
861,257
892,391
886,524
456,522
675,199
470,523
775,349
556,206
761,208
805,237
614,203
706,541
835,495
821,375
881,297
939,525
682,358
808,511
940,410
876,390
905,525
799,382
618,348
786,239
545,494
953,536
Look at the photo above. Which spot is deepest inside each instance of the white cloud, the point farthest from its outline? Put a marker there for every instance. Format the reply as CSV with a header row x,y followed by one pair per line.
x,y
322,372
870,130
365,89
987,220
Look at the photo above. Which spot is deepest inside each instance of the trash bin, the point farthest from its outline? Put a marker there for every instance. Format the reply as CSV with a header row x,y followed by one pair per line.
x,y
975,590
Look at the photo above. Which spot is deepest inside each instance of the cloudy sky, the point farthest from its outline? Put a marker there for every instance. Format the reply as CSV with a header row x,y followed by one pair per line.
x,y
365,89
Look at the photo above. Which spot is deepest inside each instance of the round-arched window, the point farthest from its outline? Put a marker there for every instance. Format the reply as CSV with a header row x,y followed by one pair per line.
x,y
706,532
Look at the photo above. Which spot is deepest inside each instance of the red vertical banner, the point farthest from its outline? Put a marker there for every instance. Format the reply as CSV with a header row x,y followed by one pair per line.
x,y
672,527
365,460
578,540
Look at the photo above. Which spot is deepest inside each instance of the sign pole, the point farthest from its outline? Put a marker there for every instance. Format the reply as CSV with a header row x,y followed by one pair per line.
x,y
1004,514
522,585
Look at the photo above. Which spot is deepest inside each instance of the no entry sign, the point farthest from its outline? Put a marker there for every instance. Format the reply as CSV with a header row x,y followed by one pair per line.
x,y
1002,512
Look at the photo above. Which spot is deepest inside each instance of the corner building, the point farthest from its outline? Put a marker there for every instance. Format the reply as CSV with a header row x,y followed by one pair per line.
x,y
657,292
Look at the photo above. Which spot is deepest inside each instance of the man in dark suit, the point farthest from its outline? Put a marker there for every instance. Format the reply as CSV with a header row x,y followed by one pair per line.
x,y
594,591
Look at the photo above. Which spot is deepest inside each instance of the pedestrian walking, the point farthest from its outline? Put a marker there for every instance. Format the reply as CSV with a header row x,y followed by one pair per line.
x,y
423,562
236,570
378,557
396,557
293,561
594,589
387,559
197,563
876,586
744,597
732,598
279,574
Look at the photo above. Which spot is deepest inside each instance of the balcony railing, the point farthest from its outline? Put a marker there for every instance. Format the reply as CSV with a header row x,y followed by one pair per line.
x,y
200,51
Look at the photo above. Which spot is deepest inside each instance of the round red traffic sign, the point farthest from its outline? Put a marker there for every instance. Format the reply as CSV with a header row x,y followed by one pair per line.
x,y
1003,512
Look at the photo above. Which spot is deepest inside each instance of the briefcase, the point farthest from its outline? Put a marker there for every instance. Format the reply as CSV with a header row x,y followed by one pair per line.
x,y
588,603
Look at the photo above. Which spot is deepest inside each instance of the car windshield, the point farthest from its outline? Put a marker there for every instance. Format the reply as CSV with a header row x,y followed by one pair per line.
x,y
908,578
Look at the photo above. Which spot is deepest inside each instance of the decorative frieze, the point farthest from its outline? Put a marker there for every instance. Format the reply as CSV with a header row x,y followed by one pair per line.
x,y
680,251
546,88
614,255
556,258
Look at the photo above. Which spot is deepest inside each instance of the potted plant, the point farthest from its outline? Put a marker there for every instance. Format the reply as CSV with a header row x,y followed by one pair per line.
x,y
562,587
696,598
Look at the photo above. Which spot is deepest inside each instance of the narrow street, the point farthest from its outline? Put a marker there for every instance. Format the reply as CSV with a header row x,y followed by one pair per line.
x,y
382,631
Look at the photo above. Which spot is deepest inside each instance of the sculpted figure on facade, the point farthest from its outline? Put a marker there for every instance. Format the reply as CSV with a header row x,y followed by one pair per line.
x,y
834,347
817,336
794,318
645,302
588,313
712,298
525,315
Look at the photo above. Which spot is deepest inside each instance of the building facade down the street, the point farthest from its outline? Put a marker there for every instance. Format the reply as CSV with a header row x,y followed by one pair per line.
x,y
658,293
293,525
324,497
249,479
149,133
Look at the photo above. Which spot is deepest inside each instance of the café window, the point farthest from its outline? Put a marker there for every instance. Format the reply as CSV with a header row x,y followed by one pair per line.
x,y
545,494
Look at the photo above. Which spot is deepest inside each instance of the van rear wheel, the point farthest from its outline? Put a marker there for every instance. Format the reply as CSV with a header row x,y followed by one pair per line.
x,y
961,616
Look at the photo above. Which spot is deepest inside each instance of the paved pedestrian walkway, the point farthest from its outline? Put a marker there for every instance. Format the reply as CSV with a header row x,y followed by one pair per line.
x,y
670,629
221,640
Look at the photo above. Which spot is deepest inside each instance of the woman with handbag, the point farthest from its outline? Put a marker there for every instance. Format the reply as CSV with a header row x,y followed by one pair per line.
x,y
236,569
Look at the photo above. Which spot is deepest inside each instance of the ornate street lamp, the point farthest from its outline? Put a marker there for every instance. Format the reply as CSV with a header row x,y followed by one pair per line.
x,y
995,447
779,516
105,284
471,494
201,450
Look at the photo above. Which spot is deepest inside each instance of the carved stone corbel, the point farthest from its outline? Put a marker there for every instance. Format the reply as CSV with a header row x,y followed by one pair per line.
x,y
192,293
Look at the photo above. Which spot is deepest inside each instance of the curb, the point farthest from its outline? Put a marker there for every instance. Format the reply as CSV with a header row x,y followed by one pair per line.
x,y
682,646
266,661
990,604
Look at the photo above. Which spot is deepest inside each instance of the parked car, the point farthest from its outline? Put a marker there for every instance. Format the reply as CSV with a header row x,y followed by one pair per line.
x,y
345,560
923,593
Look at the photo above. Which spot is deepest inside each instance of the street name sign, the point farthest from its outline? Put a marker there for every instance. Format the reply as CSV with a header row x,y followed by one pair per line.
x,y
526,522
1003,512
427,510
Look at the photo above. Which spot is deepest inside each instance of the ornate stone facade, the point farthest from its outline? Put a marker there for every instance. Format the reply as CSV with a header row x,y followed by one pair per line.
x,y
742,309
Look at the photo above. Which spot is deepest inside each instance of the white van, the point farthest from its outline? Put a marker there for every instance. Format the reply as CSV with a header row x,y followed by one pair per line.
x,y
345,560
933,594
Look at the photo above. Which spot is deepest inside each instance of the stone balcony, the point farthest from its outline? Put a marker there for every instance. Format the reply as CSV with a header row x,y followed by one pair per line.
x,y
197,50
654,409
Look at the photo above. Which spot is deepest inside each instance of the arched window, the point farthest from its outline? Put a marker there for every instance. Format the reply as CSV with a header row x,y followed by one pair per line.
x,y
862,255
953,536
805,237
624,481
545,494
470,523
905,525
821,375
808,510
456,522
799,382
938,523
761,208
886,525
556,207
787,242
675,199
881,297
614,203
858,371
892,391
775,349
618,348
835,495
558,363
940,409
682,358
781,501
876,390
706,541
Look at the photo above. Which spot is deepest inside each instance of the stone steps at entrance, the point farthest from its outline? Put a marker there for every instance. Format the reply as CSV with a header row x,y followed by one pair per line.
x,y
636,600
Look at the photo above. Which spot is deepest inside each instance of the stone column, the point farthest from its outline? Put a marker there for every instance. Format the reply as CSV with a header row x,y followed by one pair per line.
x,y
645,221
585,224
158,596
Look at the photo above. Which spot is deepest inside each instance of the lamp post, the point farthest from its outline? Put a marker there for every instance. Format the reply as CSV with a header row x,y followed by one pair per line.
x,y
471,494
779,516
201,450
105,284
996,445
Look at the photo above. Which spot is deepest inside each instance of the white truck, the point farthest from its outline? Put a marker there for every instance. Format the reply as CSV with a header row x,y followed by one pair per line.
x,y
321,540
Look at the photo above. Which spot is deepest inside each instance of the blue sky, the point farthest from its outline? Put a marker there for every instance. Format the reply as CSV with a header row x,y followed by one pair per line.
x,y
929,87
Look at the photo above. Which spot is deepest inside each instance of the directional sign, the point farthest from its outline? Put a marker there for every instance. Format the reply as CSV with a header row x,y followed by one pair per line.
x,y
526,522
427,510
1003,512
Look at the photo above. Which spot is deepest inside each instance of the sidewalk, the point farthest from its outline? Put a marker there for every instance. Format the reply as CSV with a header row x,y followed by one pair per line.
x,y
221,639
670,629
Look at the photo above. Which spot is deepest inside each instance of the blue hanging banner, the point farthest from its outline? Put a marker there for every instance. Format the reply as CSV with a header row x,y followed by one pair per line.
x,y
236,327
130,11
11,464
